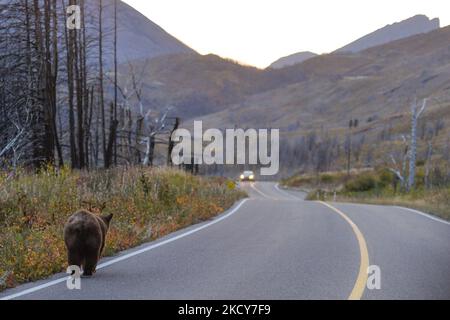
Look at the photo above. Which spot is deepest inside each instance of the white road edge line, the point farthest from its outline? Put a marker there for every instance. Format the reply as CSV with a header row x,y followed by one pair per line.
x,y
277,186
423,214
131,254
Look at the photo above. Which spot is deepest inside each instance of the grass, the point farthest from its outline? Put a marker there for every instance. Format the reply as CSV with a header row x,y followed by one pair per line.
x,y
375,187
435,201
146,203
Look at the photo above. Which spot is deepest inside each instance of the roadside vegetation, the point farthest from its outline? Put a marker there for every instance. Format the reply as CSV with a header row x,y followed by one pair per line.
x,y
381,186
147,203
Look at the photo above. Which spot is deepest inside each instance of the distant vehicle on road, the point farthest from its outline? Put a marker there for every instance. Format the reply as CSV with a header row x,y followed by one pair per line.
x,y
247,176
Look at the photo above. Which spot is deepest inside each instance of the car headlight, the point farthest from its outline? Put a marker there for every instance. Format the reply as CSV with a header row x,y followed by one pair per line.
x,y
242,177
252,177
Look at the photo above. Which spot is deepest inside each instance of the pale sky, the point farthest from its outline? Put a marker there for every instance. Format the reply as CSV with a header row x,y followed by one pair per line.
x,y
258,32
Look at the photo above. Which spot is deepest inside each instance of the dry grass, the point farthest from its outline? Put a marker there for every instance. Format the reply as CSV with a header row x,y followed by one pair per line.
x,y
435,201
146,203
374,187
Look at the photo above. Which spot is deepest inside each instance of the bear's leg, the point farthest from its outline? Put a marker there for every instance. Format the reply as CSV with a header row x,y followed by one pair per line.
x,y
91,259
74,258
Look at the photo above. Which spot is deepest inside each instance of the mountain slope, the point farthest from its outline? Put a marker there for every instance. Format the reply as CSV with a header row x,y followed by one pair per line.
x,y
138,37
292,59
378,83
406,28
197,85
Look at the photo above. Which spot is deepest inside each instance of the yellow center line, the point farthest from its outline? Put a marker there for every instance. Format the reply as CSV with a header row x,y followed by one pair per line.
x,y
361,281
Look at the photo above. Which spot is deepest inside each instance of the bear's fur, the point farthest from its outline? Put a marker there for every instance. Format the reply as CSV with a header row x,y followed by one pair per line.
x,y
84,235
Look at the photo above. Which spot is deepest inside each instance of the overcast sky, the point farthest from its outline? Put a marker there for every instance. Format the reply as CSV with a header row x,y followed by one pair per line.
x,y
258,32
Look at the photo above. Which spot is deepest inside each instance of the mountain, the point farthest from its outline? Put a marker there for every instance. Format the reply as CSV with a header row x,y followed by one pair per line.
x,y
138,37
406,28
376,86
292,59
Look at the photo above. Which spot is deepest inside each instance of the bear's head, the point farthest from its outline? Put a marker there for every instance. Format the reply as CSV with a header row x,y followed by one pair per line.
x,y
107,219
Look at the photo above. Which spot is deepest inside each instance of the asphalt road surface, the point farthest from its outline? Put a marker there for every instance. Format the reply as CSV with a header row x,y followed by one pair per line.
x,y
275,245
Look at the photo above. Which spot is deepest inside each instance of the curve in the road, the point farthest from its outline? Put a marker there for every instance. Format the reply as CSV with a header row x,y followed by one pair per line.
x,y
291,196
361,281
277,246
252,185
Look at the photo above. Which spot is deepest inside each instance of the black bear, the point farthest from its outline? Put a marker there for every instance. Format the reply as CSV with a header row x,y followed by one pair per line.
x,y
84,235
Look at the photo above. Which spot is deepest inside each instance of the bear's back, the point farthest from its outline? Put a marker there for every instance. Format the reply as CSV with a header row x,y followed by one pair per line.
x,y
83,229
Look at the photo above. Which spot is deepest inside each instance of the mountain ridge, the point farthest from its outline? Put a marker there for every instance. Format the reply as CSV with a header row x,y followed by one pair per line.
x,y
414,25
399,30
292,59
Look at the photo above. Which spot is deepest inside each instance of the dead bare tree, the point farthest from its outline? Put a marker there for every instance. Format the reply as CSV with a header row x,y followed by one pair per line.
x,y
400,173
153,127
353,124
428,164
29,65
100,76
115,79
38,54
416,112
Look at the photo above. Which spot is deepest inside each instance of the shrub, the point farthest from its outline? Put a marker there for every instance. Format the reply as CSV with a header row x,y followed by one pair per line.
x,y
316,195
420,163
385,178
363,182
298,181
327,178
420,177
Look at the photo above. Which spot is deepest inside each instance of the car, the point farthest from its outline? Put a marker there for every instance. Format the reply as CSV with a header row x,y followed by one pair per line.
x,y
247,176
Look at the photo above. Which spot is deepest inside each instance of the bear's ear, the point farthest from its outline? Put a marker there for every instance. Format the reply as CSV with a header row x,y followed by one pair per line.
x,y
107,218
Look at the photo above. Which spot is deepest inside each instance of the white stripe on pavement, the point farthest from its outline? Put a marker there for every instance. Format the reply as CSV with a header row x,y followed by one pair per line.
x,y
426,215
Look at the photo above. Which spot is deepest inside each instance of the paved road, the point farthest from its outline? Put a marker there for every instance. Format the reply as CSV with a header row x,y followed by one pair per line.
x,y
275,245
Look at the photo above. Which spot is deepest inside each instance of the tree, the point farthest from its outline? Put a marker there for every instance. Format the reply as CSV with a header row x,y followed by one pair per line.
x,y
70,37
428,165
115,79
415,115
100,76
171,143
401,173
353,123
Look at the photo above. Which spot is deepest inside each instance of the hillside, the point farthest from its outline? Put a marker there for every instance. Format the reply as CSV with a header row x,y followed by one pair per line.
x,y
138,37
226,92
197,85
378,82
376,86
